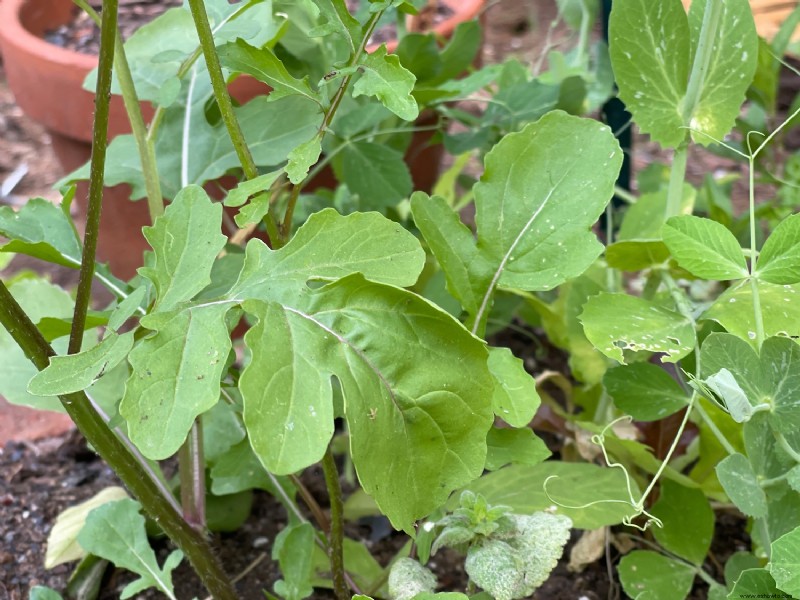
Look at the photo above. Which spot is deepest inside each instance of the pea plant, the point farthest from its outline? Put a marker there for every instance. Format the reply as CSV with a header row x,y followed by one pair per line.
x,y
332,331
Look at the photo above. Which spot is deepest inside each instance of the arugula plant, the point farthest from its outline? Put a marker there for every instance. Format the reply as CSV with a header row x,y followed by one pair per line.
x,y
332,331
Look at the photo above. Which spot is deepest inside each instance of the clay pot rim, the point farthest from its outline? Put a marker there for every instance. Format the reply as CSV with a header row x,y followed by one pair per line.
x,y
15,34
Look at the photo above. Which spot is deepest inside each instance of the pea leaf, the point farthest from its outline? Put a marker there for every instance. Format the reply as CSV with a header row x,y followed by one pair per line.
x,y
785,562
515,399
650,52
384,77
262,64
185,240
354,332
779,308
688,521
780,358
617,322
40,592
522,488
705,248
42,230
116,532
741,484
75,372
780,256
734,58
644,390
294,556
540,193
648,575
514,446
754,583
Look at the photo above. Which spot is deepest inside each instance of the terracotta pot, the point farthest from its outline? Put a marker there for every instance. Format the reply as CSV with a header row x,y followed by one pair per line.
x,y
47,84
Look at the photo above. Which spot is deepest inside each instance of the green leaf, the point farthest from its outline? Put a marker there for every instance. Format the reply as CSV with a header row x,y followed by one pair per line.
x,y
644,220
407,578
741,484
339,20
329,246
636,255
514,446
785,562
294,557
737,563
401,373
185,241
176,375
688,521
262,64
116,532
754,583
780,256
62,541
42,230
617,322
75,372
540,193
734,57
376,172
780,364
40,592
522,488
237,470
648,575
250,187
515,399
366,572
302,158
127,308
645,391
705,248
779,307
384,77
453,245
650,52
39,299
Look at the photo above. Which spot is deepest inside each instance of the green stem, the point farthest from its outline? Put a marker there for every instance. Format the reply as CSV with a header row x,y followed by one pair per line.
x,y
714,429
625,195
676,178
311,503
336,534
225,104
757,314
286,227
97,169
147,155
784,444
712,19
114,452
191,467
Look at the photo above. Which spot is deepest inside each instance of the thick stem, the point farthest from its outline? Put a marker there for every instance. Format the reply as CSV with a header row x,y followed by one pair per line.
x,y
225,104
676,177
336,534
191,466
102,100
147,155
122,461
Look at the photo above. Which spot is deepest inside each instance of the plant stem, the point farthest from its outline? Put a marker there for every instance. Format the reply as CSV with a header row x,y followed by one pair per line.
x,y
714,429
336,533
191,466
147,156
121,460
97,170
702,58
676,177
757,314
286,227
311,503
223,99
